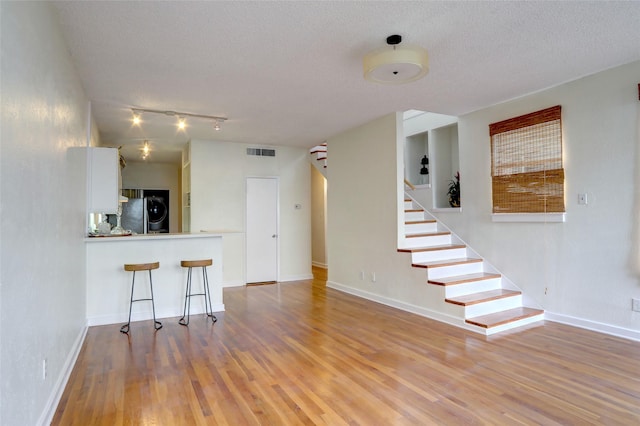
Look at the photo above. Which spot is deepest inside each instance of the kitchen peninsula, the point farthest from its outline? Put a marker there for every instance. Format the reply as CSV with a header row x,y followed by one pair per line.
x,y
109,286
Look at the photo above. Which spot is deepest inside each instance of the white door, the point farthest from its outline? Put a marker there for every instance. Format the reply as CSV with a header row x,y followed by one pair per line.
x,y
262,230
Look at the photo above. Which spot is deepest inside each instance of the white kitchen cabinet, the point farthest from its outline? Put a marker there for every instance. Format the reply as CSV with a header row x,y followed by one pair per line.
x,y
103,173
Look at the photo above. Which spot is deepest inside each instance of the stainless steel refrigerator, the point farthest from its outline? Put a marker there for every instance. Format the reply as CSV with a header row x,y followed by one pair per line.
x,y
134,216
147,211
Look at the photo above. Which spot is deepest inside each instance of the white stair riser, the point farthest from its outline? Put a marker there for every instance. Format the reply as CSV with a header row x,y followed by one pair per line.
x,y
472,287
429,256
412,216
433,240
408,205
493,306
514,324
417,228
449,271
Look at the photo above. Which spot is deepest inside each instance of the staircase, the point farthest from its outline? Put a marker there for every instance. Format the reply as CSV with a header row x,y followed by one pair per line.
x,y
484,302
318,156
480,297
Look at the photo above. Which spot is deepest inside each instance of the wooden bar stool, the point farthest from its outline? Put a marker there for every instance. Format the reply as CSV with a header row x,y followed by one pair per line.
x,y
141,267
205,283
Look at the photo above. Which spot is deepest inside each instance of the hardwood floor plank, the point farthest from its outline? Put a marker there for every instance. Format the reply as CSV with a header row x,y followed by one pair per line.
x,y
301,354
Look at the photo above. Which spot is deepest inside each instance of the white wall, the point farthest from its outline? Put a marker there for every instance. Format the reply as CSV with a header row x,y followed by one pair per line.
x,y
43,201
318,218
363,206
579,271
583,264
157,176
218,197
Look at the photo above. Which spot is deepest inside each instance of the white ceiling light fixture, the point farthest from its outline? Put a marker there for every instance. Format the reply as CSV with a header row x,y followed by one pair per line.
x,y
182,116
395,64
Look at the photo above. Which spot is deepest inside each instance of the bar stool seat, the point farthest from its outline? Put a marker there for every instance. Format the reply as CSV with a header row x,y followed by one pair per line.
x,y
188,292
134,267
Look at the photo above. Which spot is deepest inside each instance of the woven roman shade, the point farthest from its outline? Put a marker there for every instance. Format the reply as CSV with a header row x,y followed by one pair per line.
x,y
526,163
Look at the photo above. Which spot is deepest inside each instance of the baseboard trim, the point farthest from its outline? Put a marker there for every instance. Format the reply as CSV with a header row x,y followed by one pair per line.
x,y
296,278
147,315
58,388
234,283
599,327
320,265
407,307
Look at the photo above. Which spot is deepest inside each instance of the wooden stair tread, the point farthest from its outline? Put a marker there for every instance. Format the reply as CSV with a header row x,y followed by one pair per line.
x,y
427,234
463,279
504,317
481,297
413,210
416,222
445,262
431,248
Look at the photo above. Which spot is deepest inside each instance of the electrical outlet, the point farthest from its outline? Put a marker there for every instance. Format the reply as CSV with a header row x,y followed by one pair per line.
x,y
373,277
635,305
44,369
361,275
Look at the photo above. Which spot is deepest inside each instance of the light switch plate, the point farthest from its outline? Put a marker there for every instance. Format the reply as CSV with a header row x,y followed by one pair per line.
x,y
582,199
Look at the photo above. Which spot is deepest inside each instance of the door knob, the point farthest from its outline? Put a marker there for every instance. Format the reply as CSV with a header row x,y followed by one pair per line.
x,y
274,236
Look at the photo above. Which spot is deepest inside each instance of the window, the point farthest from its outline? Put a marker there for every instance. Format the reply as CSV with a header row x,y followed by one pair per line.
x,y
526,163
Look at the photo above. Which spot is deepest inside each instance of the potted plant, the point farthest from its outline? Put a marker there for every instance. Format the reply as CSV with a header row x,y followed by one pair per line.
x,y
454,191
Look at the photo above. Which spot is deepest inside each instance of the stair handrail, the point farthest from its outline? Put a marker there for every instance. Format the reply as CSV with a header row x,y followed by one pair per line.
x,y
409,184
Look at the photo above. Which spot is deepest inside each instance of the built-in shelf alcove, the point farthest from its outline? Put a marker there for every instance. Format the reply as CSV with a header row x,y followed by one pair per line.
x,y
431,143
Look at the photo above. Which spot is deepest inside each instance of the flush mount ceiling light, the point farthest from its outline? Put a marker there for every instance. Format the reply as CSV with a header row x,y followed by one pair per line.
x,y
395,64
182,116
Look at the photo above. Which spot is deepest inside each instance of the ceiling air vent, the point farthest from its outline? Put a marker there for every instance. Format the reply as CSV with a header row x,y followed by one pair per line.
x,y
261,152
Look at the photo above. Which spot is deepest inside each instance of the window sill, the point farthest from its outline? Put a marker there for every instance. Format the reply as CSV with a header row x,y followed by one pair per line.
x,y
528,217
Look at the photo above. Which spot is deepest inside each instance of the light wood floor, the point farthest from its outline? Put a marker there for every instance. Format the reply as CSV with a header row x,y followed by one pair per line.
x,y
299,353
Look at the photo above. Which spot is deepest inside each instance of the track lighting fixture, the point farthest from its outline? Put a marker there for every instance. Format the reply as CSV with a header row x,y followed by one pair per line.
x,y
182,116
136,119
145,150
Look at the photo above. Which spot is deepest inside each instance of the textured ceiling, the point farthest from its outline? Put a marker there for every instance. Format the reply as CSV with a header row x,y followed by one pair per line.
x,y
290,73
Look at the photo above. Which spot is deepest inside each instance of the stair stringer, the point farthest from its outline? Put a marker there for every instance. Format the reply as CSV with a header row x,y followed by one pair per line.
x,y
462,312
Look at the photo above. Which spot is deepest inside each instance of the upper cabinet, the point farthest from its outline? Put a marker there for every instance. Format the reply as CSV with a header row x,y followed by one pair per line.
x,y
103,173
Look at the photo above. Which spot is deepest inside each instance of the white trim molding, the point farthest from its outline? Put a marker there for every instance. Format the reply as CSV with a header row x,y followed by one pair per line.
x,y
58,388
528,217
407,307
599,327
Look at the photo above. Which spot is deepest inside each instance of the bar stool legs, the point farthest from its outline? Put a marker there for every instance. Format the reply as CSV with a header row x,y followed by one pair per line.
x,y
141,267
207,292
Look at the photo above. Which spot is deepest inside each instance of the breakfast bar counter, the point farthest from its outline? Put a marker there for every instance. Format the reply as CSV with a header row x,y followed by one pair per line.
x,y
109,285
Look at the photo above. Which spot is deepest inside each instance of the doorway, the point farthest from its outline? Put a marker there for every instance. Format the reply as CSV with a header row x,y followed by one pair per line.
x,y
262,230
